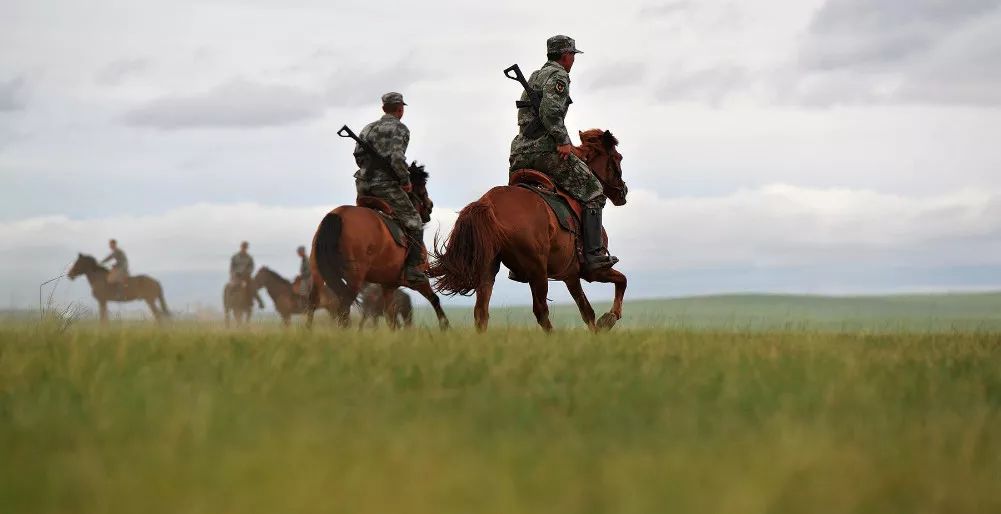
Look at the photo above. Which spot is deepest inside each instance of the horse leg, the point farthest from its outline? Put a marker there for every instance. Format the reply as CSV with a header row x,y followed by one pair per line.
x,y
609,275
389,307
102,307
312,303
152,306
361,323
425,290
540,288
577,292
483,293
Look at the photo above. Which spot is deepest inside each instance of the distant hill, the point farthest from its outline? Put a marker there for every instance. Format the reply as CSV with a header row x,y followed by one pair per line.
x,y
731,312
909,312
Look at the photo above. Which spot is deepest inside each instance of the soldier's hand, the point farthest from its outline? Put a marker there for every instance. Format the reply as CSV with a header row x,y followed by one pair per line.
x,y
564,150
408,187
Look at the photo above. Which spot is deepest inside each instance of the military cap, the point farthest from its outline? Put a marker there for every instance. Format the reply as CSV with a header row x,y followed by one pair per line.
x,y
561,45
392,98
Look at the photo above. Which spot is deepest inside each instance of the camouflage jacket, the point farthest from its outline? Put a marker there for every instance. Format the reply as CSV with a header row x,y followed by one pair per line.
x,y
241,264
304,270
554,83
390,137
121,261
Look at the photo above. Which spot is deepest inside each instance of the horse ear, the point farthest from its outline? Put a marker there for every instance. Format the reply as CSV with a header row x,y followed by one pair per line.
x,y
581,133
79,254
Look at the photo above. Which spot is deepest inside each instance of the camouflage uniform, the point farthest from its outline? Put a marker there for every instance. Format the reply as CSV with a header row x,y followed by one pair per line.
x,y
120,269
535,145
390,138
305,278
241,267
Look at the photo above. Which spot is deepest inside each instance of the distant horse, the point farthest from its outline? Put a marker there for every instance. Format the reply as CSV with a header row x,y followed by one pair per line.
x,y
352,246
514,225
137,287
373,306
238,300
287,301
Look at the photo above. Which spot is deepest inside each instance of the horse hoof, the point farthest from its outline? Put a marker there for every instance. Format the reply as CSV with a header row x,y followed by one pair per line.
x,y
444,325
607,321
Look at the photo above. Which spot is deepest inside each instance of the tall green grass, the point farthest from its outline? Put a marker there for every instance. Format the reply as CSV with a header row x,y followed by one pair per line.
x,y
192,419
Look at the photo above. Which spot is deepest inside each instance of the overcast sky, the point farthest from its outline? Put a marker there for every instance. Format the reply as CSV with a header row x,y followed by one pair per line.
x,y
784,145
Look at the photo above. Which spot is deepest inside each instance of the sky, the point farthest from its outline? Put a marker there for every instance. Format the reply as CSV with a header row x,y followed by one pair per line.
x,y
807,146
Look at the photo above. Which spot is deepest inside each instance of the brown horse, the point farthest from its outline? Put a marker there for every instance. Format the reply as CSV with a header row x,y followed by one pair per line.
x,y
352,246
138,287
374,306
287,301
238,301
515,226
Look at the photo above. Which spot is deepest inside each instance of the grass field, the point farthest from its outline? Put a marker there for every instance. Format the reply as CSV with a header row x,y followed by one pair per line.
x,y
192,419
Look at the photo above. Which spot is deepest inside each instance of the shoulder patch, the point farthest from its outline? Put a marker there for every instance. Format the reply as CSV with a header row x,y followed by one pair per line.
x,y
560,87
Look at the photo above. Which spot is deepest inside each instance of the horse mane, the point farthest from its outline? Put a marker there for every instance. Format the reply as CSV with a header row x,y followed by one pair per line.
x,y
91,260
418,176
271,273
595,136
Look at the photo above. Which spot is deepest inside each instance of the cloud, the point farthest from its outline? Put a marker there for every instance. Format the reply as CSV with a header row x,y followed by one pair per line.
x,y
618,74
776,225
358,85
710,86
238,103
119,71
12,94
666,9
902,51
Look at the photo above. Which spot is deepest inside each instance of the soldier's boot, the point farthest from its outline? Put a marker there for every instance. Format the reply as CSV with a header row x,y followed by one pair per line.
x,y
596,256
413,273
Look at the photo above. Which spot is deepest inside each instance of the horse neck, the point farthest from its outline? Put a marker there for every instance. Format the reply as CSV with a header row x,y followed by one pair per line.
x,y
276,286
97,276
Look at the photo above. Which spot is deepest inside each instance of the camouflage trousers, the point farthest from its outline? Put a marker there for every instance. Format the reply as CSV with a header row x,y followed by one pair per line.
x,y
571,175
397,198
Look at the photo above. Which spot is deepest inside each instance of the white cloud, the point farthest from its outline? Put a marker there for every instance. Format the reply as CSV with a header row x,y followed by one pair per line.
x,y
236,103
12,94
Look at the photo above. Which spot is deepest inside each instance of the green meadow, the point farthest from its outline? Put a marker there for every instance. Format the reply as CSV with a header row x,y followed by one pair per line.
x,y
817,405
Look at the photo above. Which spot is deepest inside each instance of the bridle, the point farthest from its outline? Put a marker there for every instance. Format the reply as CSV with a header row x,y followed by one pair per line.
x,y
612,169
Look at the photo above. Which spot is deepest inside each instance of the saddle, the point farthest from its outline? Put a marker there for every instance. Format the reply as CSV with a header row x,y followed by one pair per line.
x,y
386,214
567,209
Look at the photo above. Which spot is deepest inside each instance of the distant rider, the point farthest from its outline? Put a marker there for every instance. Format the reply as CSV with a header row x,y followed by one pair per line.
x,y
241,268
305,278
119,275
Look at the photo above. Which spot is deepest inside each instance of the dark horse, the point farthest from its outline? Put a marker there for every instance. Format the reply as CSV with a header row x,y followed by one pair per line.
x,y
374,306
287,301
138,287
238,300
514,226
352,246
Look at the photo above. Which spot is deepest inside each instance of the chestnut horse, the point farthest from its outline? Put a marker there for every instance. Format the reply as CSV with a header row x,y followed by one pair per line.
x,y
287,301
515,226
352,246
138,287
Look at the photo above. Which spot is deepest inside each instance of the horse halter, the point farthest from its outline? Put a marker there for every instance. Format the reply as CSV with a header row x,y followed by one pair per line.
x,y
612,168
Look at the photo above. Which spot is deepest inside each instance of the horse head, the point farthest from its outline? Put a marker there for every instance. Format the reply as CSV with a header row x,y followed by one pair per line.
x,y
84,264
419,193
598,149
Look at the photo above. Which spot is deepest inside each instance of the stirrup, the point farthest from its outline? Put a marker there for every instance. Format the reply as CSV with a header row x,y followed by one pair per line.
x,y
599,262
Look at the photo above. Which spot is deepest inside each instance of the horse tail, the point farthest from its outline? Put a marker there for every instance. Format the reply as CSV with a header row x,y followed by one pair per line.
x,y
327,252
163,302
470,251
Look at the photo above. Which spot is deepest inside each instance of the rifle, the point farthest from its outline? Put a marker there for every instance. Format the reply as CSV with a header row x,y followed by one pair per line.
x,y
380,161
534,101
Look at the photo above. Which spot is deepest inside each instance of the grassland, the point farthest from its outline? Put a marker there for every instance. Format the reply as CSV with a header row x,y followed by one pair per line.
x,y
192,419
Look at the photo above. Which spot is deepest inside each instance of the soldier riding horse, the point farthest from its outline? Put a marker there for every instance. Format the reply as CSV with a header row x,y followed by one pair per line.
x,y
547,222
